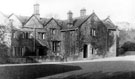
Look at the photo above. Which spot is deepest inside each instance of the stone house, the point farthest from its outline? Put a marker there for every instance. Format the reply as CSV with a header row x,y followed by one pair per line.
x,y
85,36
88,36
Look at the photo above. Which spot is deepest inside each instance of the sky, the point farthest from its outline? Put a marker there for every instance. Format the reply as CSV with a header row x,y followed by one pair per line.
x,y
118,10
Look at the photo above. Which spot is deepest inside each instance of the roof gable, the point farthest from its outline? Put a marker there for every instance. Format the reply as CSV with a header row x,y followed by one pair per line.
x,y
52,23
22,19
33,22
79,21
91,18
16,23
109,24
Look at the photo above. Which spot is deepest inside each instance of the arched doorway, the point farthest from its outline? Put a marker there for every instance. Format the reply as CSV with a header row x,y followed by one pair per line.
x,y
85,51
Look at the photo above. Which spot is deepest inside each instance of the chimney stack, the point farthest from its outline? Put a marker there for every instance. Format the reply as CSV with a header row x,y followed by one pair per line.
x,y
70,16
36,10
82,12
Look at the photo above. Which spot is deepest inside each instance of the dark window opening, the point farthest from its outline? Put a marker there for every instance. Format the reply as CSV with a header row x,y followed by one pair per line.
x,y
92,51
56,46
85,51
93,32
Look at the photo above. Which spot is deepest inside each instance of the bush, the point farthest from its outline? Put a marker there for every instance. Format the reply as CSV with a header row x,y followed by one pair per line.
x,y
127,46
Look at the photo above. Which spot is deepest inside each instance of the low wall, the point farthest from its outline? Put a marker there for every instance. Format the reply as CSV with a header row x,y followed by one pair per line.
x,y
33,71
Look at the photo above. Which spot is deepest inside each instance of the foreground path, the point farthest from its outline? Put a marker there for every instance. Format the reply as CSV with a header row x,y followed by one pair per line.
x,y
112,68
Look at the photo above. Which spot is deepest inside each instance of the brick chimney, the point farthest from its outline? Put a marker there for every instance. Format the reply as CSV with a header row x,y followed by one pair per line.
x,y
36,10
70,17
82,12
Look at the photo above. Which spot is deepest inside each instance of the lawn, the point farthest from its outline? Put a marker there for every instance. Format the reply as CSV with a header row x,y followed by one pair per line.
x,y
108,68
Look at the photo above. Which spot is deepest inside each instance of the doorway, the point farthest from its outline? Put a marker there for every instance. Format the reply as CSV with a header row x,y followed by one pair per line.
x,y
42,51
85,51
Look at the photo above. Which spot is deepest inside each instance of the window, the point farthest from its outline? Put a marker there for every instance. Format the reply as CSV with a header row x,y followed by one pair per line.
x,y
53,30
21,51
23,35
93,32
16,51
13,51
14,35
41,35
26,35
110,32
30,35
55,46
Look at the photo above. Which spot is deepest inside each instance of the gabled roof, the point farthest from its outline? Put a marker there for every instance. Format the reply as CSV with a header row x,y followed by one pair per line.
x,y
77,22
31,17
57,22
42,21
80,20
91,17
22,19
65,26
109,24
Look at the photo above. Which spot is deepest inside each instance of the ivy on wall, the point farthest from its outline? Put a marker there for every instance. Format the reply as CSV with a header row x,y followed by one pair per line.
x,y
103,39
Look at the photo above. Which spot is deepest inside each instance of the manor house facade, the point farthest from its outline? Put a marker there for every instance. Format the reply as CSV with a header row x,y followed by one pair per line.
x,y
85,36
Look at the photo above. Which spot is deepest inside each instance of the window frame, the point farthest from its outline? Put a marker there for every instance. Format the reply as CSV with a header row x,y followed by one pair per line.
x,y
53,31
93,32
56,46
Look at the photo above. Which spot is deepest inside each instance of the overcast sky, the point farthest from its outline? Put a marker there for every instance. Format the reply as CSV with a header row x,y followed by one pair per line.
x,y
118,10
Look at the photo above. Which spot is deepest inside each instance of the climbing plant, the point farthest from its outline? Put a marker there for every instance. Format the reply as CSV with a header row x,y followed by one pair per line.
x,y
102,41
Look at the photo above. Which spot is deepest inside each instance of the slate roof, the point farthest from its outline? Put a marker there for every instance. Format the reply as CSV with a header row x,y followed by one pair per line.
x,y
65,25
78,21
22,19
42,42
109,24
42,21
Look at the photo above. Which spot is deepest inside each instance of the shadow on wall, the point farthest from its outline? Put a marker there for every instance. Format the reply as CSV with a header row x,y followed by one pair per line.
x,y
34,71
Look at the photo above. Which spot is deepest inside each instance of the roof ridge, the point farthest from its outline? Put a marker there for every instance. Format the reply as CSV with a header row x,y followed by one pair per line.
x,y
88,18
48,21
31,17
54,20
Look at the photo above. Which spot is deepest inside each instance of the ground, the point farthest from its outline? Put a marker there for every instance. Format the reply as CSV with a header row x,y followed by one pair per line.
x,y
108,68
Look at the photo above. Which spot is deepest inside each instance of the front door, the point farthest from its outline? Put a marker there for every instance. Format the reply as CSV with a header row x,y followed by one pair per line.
x,y
85,51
